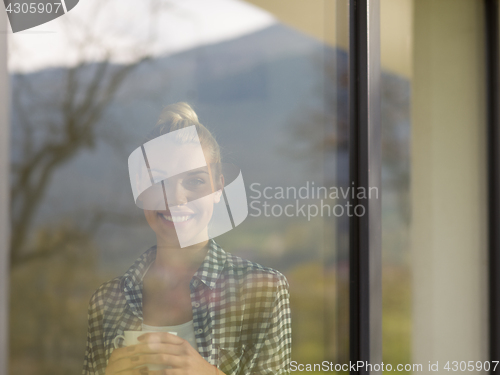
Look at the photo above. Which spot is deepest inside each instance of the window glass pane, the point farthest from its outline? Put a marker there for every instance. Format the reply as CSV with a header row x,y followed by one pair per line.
x,y
396,59
269,81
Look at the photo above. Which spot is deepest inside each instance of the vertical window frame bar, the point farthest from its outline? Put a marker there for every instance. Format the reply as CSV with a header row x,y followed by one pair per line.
x,y
365,158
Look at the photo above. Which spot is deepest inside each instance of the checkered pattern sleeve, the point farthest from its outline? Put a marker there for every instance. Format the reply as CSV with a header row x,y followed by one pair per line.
x,y
94,362
275,354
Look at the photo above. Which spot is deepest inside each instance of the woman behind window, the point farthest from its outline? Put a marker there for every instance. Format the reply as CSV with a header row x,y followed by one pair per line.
x,y
226,312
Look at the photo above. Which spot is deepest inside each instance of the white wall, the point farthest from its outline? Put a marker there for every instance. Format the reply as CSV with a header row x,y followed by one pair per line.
x,y
448,183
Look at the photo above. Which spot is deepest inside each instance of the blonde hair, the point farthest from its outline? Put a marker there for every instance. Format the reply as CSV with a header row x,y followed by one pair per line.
x,y
181,115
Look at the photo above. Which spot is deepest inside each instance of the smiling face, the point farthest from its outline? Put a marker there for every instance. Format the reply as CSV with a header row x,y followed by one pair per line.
x,y
190,198
172,181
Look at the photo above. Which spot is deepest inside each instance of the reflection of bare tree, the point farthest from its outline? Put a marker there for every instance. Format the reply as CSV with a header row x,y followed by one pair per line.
x,y
58,113
55,129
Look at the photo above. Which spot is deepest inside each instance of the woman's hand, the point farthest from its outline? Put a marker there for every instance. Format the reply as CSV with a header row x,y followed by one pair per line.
x,y
122,361
159,348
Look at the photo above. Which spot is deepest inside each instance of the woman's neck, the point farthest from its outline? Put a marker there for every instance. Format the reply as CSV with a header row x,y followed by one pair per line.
x,y
189,258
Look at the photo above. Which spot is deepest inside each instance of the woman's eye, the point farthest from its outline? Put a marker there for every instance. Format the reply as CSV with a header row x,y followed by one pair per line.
x,y
195,182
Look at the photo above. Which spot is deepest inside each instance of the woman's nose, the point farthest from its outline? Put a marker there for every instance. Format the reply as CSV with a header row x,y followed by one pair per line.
x,y
175,194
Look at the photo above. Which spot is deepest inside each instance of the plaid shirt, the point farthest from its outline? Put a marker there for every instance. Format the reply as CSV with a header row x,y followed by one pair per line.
x,y
241,314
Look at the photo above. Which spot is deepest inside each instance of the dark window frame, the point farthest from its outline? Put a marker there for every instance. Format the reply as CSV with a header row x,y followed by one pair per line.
x,y
365,163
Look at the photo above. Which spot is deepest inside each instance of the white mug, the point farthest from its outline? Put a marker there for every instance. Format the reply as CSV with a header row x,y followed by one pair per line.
x,y
130,338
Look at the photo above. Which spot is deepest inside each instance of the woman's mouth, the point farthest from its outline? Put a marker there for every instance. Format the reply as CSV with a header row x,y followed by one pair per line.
x,y
176,218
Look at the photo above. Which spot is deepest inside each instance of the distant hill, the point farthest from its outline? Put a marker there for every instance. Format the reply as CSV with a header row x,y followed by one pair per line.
x,y
257,93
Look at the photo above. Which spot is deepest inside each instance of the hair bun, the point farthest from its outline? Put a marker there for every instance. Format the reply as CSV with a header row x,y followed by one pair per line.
x,y
181,115
175,114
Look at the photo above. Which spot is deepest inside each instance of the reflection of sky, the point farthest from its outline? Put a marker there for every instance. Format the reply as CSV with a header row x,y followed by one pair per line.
x,y
132,28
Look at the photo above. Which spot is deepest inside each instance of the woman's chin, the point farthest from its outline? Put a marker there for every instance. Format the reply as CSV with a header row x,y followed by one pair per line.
x,y
182,231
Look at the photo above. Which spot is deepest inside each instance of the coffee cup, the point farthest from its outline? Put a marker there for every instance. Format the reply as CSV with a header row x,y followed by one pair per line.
x,y
130,338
